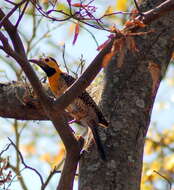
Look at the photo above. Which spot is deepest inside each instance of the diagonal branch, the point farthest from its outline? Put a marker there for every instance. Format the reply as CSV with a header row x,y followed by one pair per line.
x,y
73,146
87,77
22,14
23,162
11,12
21,103
12,32
157,12
84,80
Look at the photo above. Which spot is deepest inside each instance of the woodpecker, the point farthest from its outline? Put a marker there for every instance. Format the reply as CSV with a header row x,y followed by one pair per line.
x,y
83,109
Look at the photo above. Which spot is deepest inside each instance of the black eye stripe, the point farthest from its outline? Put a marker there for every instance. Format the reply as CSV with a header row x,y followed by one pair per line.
x,y
46,59
53,59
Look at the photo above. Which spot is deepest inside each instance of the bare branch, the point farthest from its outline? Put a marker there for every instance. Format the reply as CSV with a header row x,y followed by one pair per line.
x,y
5,149
168,181
21,15
12,32
157,12
18,173
73,147
54,171
21,103
64,60
11,12
88,16
23,162
84,80
137,7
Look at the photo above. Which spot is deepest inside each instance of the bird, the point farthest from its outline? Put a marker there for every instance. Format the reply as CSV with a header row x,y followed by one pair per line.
x,y
83,108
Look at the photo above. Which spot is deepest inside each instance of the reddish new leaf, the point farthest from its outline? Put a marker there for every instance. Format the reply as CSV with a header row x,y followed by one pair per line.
x,y
79,5
77,29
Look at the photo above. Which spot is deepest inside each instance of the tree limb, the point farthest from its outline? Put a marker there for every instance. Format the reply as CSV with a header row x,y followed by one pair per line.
x,y
157,12
19,103
93,69
73,147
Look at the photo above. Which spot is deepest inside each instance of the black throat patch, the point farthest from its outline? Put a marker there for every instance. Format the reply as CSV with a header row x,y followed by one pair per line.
x,y
49,71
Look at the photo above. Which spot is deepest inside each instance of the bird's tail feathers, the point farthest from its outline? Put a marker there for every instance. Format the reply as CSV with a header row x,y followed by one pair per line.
x,y
98,142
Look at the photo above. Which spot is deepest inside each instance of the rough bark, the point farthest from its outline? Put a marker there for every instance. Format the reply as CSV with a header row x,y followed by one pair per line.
x,y
130,88
127,102
17,102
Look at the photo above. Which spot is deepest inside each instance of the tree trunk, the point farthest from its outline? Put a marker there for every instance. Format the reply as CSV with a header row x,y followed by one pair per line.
x,y
127,101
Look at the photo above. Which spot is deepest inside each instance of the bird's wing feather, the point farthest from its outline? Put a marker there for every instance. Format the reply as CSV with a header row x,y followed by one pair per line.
x,y
87,99
68,79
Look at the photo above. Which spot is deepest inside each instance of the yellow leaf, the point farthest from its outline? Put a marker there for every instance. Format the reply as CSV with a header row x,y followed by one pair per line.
x,y
63,7
109,10
46,157
59,157
169,162
161,106
151,175
147,187
169,136
149,147
121,5
156,165
54,159
29,148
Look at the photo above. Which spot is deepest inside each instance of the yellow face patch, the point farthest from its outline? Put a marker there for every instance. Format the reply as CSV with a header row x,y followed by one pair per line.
x,y
50,62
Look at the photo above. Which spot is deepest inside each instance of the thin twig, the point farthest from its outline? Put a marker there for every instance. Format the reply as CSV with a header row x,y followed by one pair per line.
x,y
21,15
17,137
8,146
21,180
54,171
11,2
23,162
84,80
137,7
10,13
72,145
64,61
168,181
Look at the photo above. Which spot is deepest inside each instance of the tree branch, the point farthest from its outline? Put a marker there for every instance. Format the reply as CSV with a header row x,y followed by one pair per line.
x,y
3,20
23,162
157,12
127,100
73,147
19,103
84,80
93,69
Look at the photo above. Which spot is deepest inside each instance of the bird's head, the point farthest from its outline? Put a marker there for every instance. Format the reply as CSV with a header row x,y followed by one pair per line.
x,y
48,64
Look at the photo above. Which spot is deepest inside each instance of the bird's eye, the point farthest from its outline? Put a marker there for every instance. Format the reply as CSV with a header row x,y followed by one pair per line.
x,y
46,59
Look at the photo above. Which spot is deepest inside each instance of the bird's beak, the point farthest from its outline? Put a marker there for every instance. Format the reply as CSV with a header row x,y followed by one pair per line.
x,y
38,62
